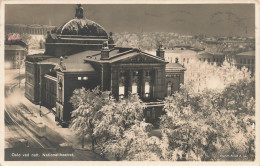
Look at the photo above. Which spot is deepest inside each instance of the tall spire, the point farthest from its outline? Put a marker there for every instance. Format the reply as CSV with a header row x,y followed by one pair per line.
x,y
79,11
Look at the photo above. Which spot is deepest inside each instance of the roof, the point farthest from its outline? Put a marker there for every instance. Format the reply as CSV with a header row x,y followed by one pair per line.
x,y
174,67
81,27
248,53
209,53
120,53
181,51
77,67
14,47
73,63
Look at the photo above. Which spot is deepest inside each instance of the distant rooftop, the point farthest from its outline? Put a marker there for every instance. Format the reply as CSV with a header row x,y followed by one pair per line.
x,y
14,47
174,66
248,53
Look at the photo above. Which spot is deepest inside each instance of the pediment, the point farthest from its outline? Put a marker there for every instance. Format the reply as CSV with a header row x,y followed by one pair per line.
x,y
141,58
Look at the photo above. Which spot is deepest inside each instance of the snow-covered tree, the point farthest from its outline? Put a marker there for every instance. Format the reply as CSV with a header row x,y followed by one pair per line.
x,y
202,126
98,115
87,103
135,144
210,76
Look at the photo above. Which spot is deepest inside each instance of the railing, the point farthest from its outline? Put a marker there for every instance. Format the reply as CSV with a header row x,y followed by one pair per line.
x,y
154,104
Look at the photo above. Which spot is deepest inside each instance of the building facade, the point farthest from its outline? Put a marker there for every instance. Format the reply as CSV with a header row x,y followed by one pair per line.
x,y
186,54
84,55
245,59
15,54
34,29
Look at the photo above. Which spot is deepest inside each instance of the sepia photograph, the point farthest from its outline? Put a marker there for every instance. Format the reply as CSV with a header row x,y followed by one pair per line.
x,y
129,82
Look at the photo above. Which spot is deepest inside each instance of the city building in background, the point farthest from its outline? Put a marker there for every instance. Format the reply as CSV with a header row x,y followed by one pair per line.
x,y
186,54
246,59
15,54
34,29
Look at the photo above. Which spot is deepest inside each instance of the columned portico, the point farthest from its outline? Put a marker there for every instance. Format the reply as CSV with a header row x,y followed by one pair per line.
x,y
141,79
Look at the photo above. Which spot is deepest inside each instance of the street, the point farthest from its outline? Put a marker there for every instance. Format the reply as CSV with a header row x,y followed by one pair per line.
x,y
28,132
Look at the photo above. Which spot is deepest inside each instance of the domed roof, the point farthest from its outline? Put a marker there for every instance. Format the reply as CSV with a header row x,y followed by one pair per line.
x,y
82,27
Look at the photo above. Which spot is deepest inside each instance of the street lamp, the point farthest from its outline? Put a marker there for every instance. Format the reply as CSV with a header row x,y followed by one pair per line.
x,y
19,68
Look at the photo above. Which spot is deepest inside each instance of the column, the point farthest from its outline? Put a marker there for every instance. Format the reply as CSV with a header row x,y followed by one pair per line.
x,y
142,83
130,79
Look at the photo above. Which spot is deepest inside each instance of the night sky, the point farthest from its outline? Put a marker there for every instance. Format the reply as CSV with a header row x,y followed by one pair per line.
x,y
190,19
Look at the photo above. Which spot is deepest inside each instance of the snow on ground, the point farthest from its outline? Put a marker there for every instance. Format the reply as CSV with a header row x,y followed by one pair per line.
x,y
35,51
16,98
10,75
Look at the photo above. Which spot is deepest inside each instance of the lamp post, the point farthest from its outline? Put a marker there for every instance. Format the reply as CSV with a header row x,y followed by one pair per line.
x,y
19,68
40,109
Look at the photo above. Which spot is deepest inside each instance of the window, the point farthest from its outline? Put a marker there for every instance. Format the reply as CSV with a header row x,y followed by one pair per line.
x,y
148,114
169,89
85,78
79,78
187,60
153,114
204,59
147,89
248,61
134,88
208,59
121,91
244,61
147,73
213,59
60,85
135,73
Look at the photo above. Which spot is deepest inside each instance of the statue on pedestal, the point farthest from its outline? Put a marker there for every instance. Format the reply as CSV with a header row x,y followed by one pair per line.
x,y
79,12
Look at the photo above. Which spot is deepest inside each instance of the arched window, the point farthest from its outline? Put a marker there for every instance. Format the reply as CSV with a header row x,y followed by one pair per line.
x,y
147,89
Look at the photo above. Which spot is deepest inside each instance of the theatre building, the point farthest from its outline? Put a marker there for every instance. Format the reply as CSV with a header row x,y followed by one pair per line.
x,y
91,59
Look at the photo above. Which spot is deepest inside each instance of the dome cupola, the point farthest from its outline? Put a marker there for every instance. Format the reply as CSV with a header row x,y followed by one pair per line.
x,y
76,35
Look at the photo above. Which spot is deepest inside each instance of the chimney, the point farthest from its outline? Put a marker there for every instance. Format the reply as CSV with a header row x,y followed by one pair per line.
x,y
61,60
105,51
160,51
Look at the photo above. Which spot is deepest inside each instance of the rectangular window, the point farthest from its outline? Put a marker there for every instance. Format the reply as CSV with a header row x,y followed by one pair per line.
x,y
79,78
248,61
169,89
153,114
134,88
85,78
208,60
148,114
121,91
147,89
